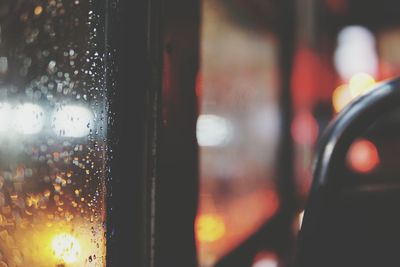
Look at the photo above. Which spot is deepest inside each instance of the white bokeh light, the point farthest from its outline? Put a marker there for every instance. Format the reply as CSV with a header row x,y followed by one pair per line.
x,y
28,118
213,130
72,121
266,263
356,52
5,116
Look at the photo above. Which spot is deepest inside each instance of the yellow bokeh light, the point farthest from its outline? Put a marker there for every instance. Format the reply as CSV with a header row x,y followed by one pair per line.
x,y
360,84
38,10
209,228
66,248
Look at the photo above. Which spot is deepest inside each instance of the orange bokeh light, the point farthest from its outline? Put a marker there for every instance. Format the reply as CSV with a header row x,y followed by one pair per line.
x,y
341,97
363,156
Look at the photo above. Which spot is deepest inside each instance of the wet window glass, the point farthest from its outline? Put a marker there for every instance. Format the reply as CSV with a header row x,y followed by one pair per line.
x,y
52,134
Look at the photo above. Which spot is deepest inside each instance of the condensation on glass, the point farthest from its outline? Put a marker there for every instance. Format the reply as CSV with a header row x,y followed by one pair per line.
x,y
52,134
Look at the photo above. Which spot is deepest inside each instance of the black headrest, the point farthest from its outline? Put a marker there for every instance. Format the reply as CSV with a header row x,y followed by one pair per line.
x,y
350,221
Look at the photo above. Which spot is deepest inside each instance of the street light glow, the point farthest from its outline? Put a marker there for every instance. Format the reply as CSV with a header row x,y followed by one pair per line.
x,y
66,248
72,121
28,118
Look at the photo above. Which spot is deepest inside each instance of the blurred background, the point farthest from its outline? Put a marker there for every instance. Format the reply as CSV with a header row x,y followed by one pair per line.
x,y
341,49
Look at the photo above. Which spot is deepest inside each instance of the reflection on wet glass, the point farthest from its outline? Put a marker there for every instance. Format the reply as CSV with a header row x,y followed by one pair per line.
x,y
52,135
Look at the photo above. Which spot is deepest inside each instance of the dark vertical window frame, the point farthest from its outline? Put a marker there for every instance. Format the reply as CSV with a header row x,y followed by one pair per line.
x,y
285,158
177,184
152,198
134,73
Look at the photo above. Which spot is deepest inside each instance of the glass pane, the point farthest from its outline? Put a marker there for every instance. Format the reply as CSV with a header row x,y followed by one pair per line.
x,y
52,134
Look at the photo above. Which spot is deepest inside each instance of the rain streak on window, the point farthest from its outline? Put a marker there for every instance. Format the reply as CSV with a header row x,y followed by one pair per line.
x,y
52,134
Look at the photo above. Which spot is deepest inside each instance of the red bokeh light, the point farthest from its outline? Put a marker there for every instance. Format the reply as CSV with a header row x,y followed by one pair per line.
x,y
363,156
305,129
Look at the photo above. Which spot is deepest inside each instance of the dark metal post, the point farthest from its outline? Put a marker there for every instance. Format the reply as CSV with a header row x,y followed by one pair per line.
x,y
130,132
177,185
153,190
